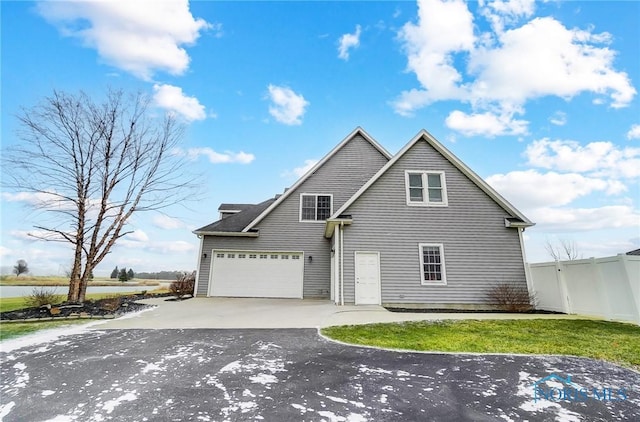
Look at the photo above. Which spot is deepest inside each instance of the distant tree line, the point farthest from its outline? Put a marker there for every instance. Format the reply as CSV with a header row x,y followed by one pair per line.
x,y
123,274
162,275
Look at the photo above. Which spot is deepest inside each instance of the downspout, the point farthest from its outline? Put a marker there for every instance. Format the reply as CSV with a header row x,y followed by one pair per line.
x,y
342,263
195,287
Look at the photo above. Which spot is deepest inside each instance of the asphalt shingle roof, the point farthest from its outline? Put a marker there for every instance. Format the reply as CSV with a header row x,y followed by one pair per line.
x,y
238,221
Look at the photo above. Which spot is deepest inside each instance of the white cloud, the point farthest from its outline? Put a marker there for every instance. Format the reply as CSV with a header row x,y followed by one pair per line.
x,y
347,42
5,251
139,37
544,58
443,28
599,158
503,13
485,124
286,106
634,132
559,118
501,70
215,157
578,219
178,246
531,189
172,98
302,170
137,236
166,222
38,199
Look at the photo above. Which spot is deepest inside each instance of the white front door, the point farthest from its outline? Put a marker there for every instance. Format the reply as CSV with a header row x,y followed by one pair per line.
x,y
367,278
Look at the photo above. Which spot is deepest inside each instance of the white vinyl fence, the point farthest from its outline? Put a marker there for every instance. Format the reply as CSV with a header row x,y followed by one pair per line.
x,y
608,288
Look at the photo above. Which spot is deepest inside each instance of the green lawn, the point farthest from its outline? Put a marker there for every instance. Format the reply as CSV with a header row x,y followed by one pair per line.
x,y
611,341
16,329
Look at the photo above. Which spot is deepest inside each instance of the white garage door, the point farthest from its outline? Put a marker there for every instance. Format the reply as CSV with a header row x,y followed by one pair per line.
x,y
256,274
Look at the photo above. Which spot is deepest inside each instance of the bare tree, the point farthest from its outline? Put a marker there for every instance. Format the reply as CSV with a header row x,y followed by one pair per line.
x,y
563,250
90,166
21,267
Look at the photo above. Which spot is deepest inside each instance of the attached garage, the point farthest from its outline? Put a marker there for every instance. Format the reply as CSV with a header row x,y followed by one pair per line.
x,y
256,274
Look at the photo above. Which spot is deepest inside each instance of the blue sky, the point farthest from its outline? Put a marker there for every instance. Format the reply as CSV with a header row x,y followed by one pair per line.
x,y
540,99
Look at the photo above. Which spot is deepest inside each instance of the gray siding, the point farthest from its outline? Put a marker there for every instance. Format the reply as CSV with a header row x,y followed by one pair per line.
x,y
355,163
478,250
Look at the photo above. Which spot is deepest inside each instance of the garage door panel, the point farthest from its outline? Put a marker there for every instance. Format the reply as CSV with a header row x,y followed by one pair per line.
x,y
257,274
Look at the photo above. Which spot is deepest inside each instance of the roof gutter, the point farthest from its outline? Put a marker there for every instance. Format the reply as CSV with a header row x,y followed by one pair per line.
x,y
517,224
227,234
333,222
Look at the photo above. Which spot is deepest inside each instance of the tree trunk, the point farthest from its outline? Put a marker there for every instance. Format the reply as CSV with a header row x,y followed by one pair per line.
x,y
74,289
83,289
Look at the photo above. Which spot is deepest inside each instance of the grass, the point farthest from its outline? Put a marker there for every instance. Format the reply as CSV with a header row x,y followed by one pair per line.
x,y
17,329
610,341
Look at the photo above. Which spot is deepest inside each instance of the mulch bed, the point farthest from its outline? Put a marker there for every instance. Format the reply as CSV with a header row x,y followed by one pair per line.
x,y
467,311
103,308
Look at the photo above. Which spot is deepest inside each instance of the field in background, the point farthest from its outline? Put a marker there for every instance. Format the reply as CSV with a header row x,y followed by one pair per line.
x,y
12,280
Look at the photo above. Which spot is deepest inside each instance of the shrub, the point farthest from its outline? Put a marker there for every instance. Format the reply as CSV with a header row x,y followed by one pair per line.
x,y
42,296
183,286
510,297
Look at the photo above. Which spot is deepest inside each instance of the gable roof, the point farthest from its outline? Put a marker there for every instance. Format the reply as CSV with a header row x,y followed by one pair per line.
x,y
285,195
634,252
236,222
477,180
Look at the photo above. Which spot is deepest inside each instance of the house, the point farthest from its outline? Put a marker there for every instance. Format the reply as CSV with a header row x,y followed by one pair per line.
x,y
419,229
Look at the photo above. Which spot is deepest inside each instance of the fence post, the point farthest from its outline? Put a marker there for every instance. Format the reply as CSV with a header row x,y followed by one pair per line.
x,y
562,285
635,293
602,288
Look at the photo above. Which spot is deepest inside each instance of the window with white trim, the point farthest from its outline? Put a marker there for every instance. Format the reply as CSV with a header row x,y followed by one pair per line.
x,y
426,188
315,207
432,269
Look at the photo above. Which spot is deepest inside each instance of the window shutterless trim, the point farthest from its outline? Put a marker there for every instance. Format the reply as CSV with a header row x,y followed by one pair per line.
x,y
315,195
441,264
425,202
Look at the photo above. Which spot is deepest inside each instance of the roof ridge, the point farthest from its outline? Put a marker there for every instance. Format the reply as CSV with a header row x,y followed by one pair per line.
x,y
325,159
449,156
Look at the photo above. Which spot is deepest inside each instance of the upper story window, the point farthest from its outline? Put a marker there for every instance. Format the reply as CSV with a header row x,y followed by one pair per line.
x,y
315,207
426,188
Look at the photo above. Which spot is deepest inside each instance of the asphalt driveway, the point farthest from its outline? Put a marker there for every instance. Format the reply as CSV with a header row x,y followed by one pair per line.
x,y
294,375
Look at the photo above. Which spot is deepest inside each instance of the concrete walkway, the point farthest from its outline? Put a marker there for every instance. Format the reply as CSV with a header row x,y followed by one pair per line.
x,y
280,313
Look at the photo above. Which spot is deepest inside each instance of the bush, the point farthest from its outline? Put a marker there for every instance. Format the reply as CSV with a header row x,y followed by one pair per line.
x,y
42,296
183,286
510,297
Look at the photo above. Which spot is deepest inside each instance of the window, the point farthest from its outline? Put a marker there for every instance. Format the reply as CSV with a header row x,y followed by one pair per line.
x,y
231,255
295,256
426,188
285,256
252,256
432,263
315,207
242,256
274,256
263,256
219,255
